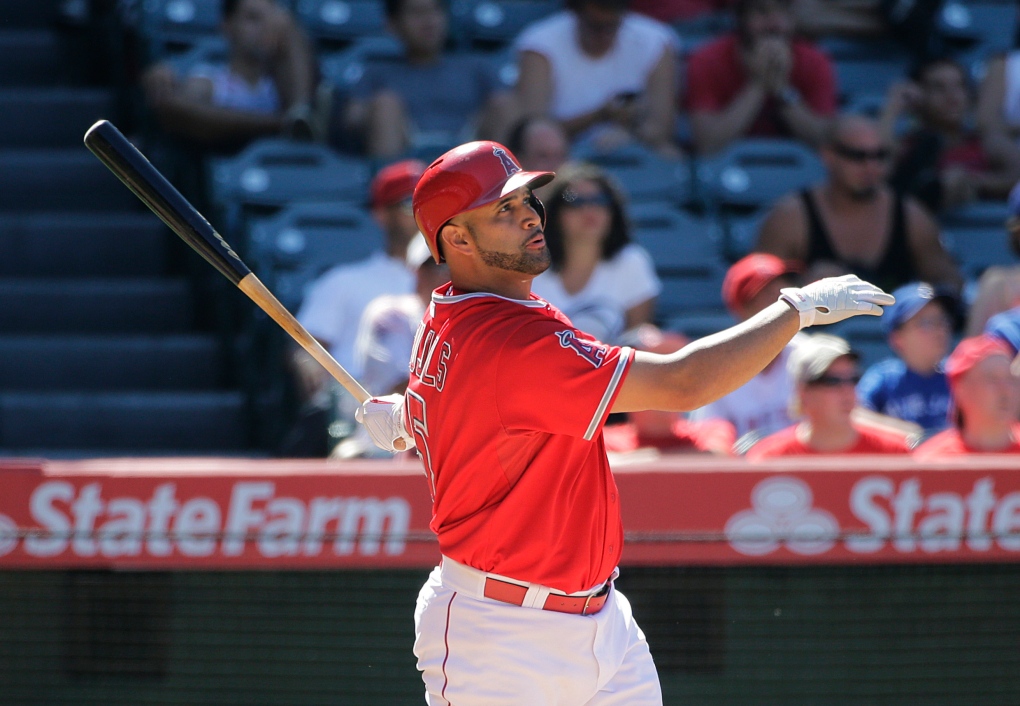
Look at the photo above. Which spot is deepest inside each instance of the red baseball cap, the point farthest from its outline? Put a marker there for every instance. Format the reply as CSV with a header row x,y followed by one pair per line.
x,y
749,275
972,351
396,182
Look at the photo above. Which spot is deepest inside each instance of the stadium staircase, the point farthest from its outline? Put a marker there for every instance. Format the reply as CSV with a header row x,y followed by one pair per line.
x,y
102,346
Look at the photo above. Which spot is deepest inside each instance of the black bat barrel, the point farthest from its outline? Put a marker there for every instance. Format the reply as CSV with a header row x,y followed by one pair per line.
x,y
131,167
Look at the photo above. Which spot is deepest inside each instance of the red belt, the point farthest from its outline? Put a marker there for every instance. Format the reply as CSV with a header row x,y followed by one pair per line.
x,y
513,593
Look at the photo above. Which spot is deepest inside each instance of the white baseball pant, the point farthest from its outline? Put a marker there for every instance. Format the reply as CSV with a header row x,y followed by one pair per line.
x,y
476,650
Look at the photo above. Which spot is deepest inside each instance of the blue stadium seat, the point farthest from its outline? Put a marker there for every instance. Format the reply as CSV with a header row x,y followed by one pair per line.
x,y
696,326
979,247
741,234
675,239
989,25
302,241
644,175
868,76
275,172
989,214
333,23
753,174
486,24
172,26
698,289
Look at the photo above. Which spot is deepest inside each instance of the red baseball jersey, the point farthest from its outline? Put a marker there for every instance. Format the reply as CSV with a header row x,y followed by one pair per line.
x,y
506,402
869,441
950,443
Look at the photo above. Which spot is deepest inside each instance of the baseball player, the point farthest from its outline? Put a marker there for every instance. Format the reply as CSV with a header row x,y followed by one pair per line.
x,y
505,405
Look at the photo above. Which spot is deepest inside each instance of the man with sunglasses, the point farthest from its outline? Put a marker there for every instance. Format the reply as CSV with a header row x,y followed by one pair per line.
x,y
854,222
825,372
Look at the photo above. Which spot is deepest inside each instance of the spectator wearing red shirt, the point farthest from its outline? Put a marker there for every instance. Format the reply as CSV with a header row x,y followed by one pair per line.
x,y
825,371
759,81
985,397
944,162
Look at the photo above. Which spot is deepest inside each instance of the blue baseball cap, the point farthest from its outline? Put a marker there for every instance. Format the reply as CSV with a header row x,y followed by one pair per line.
x,y
1005,326
910,299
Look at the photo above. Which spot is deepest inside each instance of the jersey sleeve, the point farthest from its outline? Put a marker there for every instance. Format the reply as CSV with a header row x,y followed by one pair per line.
x,y
555,379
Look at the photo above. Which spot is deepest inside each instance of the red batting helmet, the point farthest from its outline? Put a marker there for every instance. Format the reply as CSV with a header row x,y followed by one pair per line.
x,y
466,177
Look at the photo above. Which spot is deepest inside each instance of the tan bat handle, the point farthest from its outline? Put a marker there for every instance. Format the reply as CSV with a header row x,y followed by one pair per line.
x,y
258,293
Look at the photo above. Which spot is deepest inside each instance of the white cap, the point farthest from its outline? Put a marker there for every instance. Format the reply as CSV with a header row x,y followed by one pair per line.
x,y
811,358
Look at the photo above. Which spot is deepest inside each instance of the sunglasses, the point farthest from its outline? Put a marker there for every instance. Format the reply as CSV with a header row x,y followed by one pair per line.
x,y
858,155
572,200
835,380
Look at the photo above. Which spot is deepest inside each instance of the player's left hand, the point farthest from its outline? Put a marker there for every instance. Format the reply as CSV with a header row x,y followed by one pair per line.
x,y
835,298
383,418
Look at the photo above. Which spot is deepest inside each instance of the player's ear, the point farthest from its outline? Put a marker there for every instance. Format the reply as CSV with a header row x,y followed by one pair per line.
x,y
456,237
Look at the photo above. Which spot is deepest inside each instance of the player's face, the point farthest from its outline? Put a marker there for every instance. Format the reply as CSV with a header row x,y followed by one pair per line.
x,y
585,214
508,234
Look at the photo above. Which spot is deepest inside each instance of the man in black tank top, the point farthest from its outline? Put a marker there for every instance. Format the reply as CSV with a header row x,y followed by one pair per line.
x,y
854,222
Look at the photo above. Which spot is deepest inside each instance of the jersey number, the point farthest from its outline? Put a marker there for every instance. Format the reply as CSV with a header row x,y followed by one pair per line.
x,y
420,432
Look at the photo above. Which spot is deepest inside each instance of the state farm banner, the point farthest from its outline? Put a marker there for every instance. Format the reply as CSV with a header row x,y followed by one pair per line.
x,y
238,514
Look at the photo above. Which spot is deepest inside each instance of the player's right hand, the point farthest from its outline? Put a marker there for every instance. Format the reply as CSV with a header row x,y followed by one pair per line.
x,y
835,298
383,418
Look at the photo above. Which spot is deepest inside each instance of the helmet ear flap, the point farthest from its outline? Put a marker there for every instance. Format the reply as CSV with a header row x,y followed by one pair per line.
x,y
536,203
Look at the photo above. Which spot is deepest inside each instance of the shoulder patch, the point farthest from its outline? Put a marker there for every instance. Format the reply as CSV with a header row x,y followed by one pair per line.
x,y
594,353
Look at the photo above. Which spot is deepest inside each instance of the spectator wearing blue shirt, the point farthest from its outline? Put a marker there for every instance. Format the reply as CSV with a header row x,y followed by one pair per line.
x,y
913,385
1006,327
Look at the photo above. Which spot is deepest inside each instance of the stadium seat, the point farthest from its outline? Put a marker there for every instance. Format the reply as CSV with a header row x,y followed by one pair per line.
x,y
752,174
302,241
271,173
976,248
696,326
741,234
29,115
988,26
54,179
675,239
489,24
173,26
337,23
867,76
29,57
984,214
643,174
695,290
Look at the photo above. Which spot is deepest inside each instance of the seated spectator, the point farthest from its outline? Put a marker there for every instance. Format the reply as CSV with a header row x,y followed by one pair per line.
x,y
602,281
385,338
913,385
999,287
985,397
761,406
265,88
540,144
334,303
759,81
824,369
426,97
854,223
943,162
1005,326
603,72
666,432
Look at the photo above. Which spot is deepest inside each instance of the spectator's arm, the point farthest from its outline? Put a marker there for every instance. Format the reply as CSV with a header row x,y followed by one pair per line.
x,y
534,84
995,134
854,18
901,97
783,233
932,261
183,109
714,130
661,91
638,314
293,65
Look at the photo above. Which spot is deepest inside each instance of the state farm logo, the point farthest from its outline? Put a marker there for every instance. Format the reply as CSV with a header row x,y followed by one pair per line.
x,y
256,519
8,535
782,516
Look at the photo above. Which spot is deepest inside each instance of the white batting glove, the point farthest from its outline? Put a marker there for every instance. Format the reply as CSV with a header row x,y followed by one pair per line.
x,y
835,298
383,418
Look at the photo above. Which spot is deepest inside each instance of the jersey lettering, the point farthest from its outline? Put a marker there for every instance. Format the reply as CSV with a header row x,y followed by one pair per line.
x,y
509,166
429,368
593,353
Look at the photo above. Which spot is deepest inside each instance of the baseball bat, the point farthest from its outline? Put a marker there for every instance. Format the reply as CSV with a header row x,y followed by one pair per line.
x,y
131,167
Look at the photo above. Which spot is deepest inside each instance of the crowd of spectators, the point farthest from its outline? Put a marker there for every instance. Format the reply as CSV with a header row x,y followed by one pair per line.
x,y
599,75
